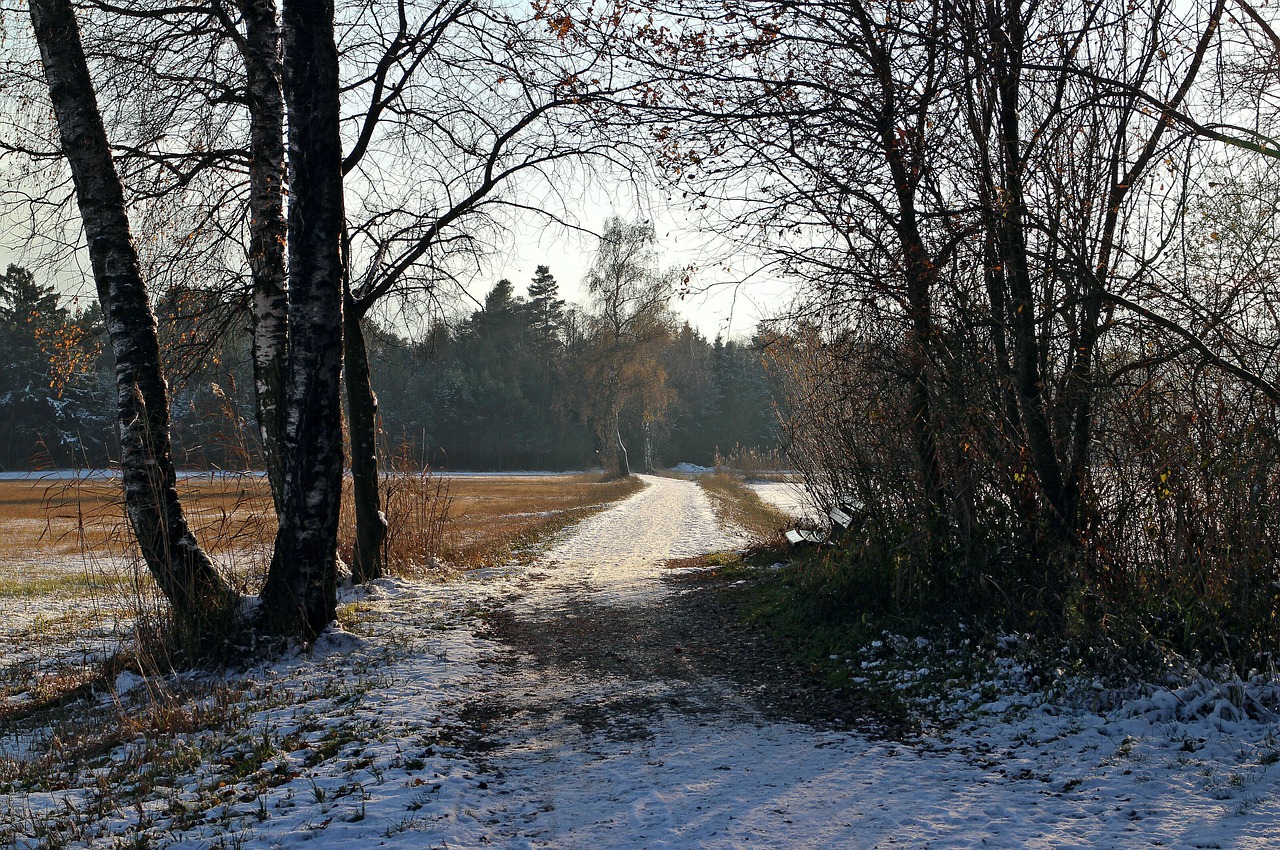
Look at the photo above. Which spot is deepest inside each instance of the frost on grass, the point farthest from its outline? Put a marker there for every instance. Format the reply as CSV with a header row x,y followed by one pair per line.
x,y
307,744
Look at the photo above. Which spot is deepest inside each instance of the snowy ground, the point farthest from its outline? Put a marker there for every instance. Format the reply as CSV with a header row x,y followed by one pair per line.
x,y
431,725
59,614
789,497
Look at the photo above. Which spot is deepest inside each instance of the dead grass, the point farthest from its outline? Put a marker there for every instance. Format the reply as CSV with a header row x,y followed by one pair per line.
x,y
69,516
148,732
495,519
487,518
736,504
63,584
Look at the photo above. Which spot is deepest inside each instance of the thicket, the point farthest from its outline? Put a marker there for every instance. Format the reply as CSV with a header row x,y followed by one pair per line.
x,y
1033,342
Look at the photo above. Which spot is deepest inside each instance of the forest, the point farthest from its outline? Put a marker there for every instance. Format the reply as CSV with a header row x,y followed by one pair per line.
x,y
498,389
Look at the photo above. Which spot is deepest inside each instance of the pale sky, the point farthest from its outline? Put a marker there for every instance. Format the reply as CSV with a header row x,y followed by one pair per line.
x,y
720,302
722,299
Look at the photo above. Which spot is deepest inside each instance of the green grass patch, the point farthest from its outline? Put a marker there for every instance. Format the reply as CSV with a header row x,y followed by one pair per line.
x,y
355,617
909,663
73,584
782,604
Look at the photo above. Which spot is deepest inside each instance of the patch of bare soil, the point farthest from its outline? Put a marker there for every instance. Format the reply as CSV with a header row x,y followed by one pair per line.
x,y
580,666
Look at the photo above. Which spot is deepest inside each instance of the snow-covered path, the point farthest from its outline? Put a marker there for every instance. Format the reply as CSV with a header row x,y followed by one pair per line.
x,y
586,702
617,555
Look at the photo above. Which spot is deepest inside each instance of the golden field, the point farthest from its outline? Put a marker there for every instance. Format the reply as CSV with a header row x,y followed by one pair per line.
x,y
461,521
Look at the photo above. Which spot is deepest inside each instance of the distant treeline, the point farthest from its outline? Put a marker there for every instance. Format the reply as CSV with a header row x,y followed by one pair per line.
x,y
506,389
502,388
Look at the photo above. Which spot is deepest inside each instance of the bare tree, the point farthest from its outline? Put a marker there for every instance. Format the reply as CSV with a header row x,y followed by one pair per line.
x,y
627,317
184,573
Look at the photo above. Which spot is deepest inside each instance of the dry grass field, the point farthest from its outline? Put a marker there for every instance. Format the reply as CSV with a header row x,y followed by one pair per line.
x,y
736,504
73,595
493,519
462,521
65,517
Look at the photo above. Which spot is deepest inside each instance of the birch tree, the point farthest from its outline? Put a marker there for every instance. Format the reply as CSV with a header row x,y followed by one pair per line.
x,y
299,597
201,598
628,315
269,299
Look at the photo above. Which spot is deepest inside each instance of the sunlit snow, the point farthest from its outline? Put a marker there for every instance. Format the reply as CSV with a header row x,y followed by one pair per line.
x,y
415,768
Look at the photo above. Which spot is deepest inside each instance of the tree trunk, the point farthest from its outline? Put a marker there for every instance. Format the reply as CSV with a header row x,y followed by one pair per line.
x,y
1010,225
624,467
362,423
270,302
920,273
300,597
920,276
184,573
648,446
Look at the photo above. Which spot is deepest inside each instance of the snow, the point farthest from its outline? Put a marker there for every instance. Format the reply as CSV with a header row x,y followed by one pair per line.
x,y
790,497
41,632
691,468
416,762
618,554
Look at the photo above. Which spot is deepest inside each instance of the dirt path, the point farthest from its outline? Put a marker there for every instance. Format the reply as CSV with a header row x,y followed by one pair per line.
x,y
607,647
621,705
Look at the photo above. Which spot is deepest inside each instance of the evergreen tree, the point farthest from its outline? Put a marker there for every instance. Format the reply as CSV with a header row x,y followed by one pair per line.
x,y
545,305
51,404
29,319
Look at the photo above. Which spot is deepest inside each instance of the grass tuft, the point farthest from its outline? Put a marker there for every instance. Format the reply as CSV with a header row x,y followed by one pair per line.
x,y
737,505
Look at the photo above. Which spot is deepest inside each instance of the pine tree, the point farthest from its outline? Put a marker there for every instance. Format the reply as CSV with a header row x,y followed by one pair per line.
x,y
30,319
546,307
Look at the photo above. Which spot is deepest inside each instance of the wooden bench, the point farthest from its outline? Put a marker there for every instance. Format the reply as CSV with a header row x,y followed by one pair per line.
x,y
843,517
802,536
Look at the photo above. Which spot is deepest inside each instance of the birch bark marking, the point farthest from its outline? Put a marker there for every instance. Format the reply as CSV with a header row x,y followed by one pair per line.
x,y
270,303
180,567
300,595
